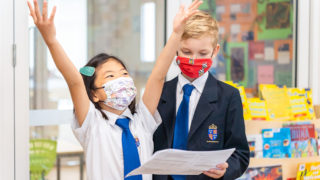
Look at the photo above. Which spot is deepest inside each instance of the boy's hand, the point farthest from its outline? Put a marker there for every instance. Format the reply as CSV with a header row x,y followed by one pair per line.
x,y
43,23
183,15
217,173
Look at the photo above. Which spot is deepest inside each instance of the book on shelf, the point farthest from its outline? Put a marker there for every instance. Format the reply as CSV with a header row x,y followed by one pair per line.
x,y
308,171
255,145
303,140
273,172
276,142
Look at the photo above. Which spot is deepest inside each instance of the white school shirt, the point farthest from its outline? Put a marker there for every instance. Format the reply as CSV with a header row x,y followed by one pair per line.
x,y
101,140
199,84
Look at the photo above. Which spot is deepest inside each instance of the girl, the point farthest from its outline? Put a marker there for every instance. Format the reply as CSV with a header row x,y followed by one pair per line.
x,y
115,133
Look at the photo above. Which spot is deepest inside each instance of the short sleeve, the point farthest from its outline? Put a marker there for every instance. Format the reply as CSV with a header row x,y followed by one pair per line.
x,y
81,131
149,122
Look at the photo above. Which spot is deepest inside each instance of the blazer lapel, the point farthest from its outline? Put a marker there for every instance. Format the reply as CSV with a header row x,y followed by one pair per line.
x,y
205,105
168,106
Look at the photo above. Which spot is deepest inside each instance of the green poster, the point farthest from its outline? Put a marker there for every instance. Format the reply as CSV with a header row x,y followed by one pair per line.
x,y
209,6
237,62
275,19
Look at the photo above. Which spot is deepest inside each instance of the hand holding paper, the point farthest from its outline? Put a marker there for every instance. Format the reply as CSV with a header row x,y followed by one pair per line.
x,y
180,162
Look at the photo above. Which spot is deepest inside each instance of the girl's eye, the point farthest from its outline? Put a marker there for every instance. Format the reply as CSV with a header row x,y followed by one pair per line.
x,y
110,76
125,73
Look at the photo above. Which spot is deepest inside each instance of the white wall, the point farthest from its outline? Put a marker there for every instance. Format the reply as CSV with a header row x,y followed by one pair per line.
x,y
14,94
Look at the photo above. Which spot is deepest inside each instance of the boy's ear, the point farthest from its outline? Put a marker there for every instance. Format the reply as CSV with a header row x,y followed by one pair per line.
x,y
215,51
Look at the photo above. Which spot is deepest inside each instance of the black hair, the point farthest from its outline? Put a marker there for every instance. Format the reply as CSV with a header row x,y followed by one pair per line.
x,y
89,80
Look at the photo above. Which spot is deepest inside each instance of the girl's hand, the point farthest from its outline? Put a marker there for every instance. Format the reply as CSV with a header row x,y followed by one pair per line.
x,y
43,23
183,15
217,173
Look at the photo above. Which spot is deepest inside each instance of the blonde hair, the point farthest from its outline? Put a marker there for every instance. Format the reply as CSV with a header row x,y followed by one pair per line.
x,y
199,25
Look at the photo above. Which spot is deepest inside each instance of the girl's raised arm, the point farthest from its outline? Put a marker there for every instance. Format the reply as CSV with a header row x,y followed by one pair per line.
x,y
156,80
70,73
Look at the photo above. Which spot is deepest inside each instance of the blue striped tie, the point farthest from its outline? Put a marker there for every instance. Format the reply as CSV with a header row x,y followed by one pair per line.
x,y
180,137
131,159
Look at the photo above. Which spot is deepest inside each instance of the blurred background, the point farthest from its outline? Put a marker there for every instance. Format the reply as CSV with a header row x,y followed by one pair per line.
x,y
262,42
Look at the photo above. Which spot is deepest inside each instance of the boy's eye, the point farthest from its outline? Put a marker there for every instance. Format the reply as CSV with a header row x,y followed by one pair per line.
x,y
186,52
203,54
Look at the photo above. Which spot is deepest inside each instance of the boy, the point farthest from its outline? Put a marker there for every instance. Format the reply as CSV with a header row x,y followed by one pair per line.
x,y
200,113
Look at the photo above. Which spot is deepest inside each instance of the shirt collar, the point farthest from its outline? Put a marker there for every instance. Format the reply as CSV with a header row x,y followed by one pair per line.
x,y
198,83
113,117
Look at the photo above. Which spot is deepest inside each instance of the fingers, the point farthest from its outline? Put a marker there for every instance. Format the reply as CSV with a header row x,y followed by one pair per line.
x,y
45,10
181,9
223,166
193,9
214,173
32,13
53,14
37,10
217,173
195,5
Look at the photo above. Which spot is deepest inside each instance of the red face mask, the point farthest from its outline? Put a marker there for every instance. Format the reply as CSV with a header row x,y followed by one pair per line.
x,y
193,68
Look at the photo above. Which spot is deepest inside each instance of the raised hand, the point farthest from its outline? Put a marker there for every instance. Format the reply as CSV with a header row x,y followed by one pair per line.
x,y
183,15
43,23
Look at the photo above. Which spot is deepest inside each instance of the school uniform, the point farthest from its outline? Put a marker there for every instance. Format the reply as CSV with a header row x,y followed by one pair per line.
x,y
101,140
215,122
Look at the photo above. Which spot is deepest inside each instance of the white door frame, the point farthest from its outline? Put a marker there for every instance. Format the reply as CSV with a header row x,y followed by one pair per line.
x,y
14,91
21,91
6,92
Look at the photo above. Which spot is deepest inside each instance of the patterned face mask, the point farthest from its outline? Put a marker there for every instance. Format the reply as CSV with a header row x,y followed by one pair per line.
x,y
120,93
193,68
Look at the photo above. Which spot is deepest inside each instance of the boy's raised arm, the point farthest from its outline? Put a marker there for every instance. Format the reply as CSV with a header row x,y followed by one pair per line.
x,y
157,78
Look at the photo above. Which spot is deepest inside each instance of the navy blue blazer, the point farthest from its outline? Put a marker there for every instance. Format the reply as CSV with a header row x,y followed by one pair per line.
x,y
220,105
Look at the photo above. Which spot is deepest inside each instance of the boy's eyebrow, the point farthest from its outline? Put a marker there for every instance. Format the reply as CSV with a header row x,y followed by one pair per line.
x,y
204,50
183,48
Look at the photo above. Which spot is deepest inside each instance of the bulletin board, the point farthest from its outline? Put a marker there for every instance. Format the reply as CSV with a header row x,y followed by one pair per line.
x,y
256,39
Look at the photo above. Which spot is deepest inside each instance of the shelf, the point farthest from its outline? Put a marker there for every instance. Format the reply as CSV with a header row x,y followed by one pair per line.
x,y
289,165
255,126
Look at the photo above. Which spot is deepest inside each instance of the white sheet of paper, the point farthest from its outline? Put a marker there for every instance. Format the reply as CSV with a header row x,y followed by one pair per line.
x,y
180,162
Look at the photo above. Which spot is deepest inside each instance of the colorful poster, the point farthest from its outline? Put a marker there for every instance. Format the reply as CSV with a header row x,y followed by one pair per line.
x,y
275,19
256,50
237,63
269,51
283,51
265,74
